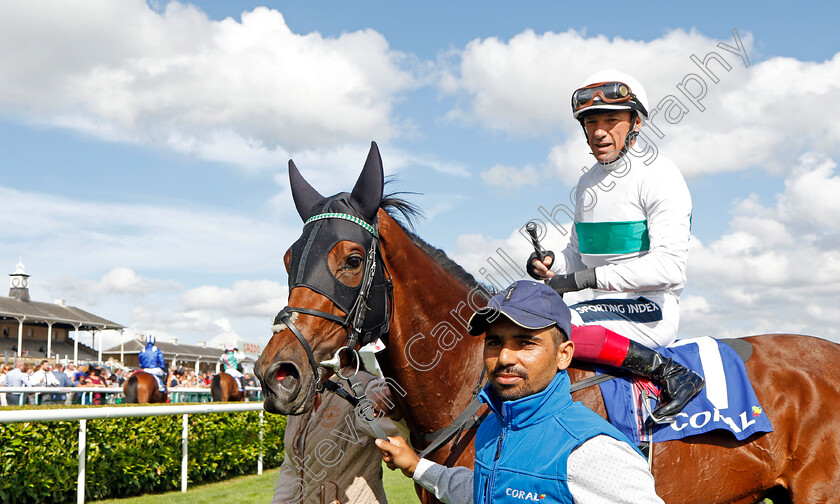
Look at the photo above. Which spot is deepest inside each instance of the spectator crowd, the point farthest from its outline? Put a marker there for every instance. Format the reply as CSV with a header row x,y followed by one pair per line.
x,y
47,374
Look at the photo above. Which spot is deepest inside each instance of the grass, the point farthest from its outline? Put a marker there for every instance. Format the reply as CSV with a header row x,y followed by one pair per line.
x,y
398,488
258,490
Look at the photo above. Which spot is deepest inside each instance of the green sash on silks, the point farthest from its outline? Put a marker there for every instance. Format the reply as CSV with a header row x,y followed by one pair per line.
x,y
612,237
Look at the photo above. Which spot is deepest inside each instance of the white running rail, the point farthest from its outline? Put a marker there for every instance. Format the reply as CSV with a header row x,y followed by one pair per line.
x,y
87,413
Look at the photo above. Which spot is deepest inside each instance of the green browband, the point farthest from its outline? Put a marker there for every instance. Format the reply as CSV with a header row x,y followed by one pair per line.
x,y
331,215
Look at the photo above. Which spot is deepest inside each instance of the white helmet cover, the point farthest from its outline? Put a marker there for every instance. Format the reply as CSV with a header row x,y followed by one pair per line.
x,y
615,76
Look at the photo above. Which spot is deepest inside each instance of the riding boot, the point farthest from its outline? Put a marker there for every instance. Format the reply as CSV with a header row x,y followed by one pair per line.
x,y
678,384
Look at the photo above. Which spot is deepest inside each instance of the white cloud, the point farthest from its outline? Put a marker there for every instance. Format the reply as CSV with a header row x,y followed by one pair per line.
x,y
247,298
137,236
404,159
434,205
694,308
524,84
812,195
119,281
247,92
509,176
778,267
567,160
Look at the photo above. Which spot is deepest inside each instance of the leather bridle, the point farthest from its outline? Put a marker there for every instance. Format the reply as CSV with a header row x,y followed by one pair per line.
x,y
354,320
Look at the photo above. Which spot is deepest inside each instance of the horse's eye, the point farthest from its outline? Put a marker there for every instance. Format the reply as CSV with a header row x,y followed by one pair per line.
x,y
354,261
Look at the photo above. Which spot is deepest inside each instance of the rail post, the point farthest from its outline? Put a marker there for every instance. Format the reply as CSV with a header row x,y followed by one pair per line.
x,y
80,486
185,454
260,459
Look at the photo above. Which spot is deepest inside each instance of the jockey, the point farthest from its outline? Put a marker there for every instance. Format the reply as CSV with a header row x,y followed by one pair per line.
x,y
231,364
629,245
151,360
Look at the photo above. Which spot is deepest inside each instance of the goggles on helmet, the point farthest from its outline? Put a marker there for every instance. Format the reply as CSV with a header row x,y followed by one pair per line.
x,y
606,92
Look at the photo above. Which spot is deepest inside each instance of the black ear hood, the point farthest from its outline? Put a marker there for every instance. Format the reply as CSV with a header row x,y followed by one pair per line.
x,y
368,190
305,196
365,198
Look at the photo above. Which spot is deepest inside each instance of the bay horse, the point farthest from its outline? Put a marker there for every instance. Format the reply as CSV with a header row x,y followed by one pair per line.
x,y
223,387
429,354
142,388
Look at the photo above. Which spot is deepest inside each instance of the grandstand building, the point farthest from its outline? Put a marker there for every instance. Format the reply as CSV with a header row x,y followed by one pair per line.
x,y
34,330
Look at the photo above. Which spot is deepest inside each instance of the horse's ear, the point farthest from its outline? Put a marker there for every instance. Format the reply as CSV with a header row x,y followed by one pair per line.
x,y
368,190
305,195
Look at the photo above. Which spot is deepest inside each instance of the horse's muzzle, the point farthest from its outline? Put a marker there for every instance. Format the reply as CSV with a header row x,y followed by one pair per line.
x,y
285,390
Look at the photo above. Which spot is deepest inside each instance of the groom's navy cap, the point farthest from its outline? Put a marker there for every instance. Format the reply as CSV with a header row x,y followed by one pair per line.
x,y
528,304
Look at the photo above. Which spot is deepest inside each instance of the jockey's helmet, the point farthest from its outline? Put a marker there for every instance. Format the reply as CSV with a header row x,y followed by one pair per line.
x,y
150,339
610,90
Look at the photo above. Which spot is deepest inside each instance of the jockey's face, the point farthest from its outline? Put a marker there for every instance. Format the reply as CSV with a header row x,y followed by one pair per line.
x,y
520,361
607,132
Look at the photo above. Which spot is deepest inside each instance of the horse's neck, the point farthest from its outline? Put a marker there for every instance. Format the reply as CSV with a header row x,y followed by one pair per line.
x,y
430,354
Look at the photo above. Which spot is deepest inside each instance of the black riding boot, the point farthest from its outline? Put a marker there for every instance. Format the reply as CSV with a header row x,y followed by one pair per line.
x,y
679,384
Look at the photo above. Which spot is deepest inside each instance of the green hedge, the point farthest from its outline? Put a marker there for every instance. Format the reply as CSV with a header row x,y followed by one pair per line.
x,y
131,456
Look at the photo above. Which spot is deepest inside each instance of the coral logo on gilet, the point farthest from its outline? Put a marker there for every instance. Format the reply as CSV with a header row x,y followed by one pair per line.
x,y
522,494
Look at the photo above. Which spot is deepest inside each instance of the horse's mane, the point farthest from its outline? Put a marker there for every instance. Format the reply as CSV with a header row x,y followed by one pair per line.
x,y
408,214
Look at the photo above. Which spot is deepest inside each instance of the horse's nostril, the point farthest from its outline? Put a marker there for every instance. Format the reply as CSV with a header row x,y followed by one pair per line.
x,y
287,375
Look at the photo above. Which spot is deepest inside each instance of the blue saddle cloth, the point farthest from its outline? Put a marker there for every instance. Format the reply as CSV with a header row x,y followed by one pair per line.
x,y
728,402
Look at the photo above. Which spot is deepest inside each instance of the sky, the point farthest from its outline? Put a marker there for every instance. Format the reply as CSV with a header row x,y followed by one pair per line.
x,y
144,144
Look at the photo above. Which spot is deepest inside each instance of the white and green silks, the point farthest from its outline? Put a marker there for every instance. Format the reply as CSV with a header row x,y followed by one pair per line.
x,y
633,223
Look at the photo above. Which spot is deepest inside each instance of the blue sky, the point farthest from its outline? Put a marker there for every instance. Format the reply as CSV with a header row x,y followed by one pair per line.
x,y
144,145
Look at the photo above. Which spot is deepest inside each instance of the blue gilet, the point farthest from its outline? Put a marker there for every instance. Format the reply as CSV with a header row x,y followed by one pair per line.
x,y
521,451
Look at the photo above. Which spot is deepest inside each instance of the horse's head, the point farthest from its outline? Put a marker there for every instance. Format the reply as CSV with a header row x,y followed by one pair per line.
x,y
338,292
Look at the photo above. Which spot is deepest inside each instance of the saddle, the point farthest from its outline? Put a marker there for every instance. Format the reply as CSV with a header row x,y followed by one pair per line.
x,y
743,348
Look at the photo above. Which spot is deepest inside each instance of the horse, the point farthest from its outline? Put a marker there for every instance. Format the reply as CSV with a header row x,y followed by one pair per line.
x,y
223,387
437,365
142,388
